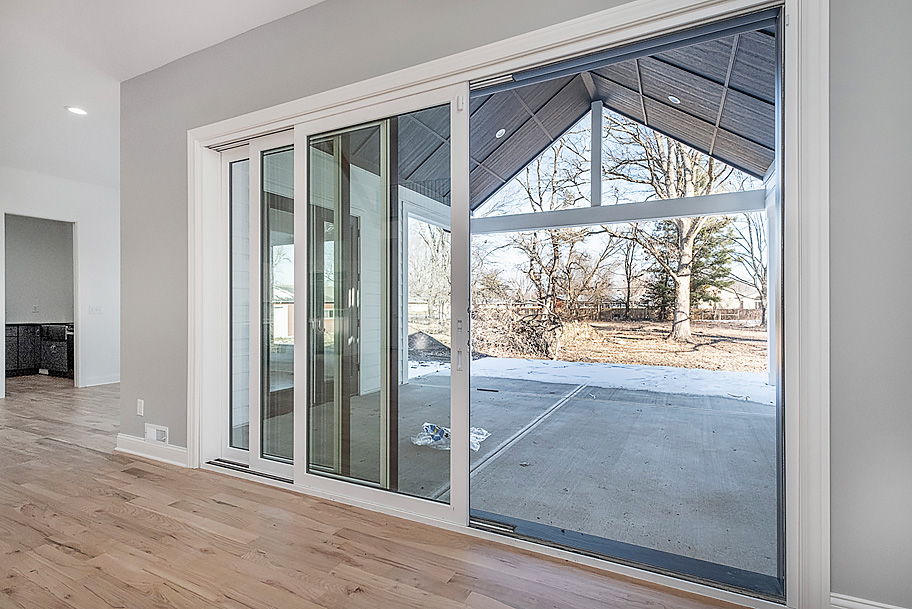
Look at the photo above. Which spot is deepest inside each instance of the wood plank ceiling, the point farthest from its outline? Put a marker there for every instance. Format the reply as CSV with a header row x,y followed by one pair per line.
x,y
726,87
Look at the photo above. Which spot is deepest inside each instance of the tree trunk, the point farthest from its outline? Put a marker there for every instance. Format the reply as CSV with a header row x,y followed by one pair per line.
x,y
627,302
680,325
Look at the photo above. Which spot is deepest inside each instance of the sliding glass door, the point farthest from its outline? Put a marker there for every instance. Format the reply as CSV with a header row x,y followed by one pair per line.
x,y
378,347
369,409
350,420
260,425
597,243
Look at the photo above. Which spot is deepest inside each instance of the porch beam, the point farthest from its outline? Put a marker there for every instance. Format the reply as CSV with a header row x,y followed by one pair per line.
x,y
728,203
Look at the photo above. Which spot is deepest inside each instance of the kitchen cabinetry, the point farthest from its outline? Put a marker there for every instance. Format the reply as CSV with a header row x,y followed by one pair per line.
x,y
30,347
12,348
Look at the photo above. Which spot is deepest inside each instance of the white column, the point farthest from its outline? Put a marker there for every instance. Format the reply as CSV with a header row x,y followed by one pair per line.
x,y
596,164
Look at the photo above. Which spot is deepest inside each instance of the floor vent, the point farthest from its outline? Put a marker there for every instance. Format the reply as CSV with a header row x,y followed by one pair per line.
x,y
156,433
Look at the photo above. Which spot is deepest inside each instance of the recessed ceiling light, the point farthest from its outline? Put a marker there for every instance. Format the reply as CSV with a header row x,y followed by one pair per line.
x,y
674,99
500,133
76,110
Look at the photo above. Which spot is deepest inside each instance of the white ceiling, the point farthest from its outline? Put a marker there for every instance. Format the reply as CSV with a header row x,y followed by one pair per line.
x,y
55,53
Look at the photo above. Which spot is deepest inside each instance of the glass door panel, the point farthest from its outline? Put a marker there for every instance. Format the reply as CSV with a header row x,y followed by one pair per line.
x,y
260,417
277,309
239,413
348,419
378,214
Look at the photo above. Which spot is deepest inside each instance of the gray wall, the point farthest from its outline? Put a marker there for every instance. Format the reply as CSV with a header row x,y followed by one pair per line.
x,y
871,263
334,43
343,41
39,270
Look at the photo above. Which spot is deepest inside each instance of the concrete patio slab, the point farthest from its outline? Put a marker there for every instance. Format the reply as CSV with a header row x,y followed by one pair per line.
x,y
693,475
501,406
682,474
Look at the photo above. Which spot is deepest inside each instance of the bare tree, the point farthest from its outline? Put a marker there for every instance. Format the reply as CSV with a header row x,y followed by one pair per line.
x,y
750,251
632,269
561,264
666,169
561,270
488,284
429,268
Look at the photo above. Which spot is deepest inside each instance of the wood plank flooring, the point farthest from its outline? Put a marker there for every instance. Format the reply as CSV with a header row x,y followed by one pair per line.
x,y
82,527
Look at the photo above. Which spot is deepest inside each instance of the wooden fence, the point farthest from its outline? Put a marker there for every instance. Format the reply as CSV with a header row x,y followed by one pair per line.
x,y
615,311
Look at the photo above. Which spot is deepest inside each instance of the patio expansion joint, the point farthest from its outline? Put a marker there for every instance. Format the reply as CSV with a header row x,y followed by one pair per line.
x,y
516,437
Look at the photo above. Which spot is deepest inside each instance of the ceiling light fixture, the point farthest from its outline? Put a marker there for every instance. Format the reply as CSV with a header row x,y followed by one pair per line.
x,y
76,110
500,133
674,99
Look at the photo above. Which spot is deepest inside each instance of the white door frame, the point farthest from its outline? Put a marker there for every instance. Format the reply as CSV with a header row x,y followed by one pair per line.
x,y
252,151
257,148
805,263
236,455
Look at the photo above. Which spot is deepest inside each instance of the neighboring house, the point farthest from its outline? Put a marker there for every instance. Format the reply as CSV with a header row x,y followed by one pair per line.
x,y
739,297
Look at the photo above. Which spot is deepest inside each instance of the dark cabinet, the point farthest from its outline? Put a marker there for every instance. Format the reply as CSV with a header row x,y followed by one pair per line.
x,y
31,347
54,356
12,348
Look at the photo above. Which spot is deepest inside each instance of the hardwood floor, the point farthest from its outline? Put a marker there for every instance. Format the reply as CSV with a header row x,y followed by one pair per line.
x,y
83,527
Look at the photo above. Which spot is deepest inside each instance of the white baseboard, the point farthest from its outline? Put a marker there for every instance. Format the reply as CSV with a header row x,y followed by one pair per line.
x,y
841,601
101,380
166,453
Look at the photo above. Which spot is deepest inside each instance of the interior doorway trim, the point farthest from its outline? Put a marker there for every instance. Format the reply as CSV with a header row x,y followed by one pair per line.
x,y
805,164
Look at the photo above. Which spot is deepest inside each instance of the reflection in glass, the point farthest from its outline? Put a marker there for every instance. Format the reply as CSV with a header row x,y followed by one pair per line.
x,y
345,418
277,310
240,304
371,274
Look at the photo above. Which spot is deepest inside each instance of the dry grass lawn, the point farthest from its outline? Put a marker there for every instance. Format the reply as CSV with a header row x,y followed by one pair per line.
x,y
716,346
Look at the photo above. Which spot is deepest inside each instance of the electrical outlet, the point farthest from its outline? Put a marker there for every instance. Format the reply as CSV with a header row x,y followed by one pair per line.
x,y
95,311
36,309
156,433
140,407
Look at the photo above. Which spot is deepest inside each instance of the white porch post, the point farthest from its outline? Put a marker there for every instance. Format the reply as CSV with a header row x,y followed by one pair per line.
x,y
595,167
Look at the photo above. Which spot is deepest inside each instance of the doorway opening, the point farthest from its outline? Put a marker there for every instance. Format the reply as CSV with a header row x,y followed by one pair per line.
x,y
625,262
40,296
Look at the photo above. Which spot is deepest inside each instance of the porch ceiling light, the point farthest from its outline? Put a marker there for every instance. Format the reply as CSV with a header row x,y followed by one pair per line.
x,y
674,99
76,110
500,133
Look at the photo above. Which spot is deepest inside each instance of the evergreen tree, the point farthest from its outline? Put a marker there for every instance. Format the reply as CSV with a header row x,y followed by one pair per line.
x,y
710,270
